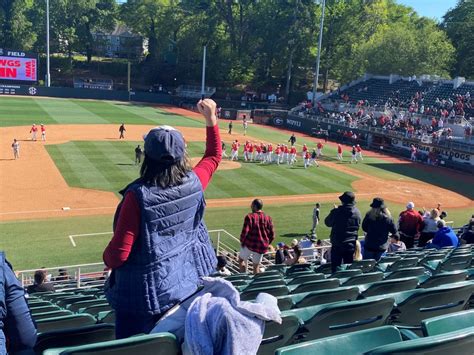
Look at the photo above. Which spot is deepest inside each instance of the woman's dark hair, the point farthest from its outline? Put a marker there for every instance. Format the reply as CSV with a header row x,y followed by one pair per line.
x,y
164,174
40,277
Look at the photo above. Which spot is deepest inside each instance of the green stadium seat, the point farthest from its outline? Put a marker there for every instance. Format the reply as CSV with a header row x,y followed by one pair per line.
x,y
415,306
444,278
106,317
459,342
238,283
73,337
278,335
351,343
388,286
315,286
448,323
57,295
305,278
364,279
345,274
328,296
38,303
238,277
299,268
285,303
408,272
295,274
76,306
258,284
150,344
43,309
325,269
458,262
432,257
366,265
343,317
280,267
274,273
397,265
64,302
388,259
96,309
52,314
280,290
64,322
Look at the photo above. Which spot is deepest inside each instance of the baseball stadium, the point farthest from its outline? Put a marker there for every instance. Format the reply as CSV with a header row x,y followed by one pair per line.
x,y
146,212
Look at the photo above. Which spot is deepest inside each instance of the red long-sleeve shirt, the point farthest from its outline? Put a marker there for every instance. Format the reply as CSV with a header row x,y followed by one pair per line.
x,y
127,229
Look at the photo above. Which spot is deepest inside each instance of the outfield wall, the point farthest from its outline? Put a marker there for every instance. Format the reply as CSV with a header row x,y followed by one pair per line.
x,y
93,94
453,154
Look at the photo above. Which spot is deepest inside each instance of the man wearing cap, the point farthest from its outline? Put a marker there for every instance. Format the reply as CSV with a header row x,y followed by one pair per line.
x,y
33,132
161,248
345,222
257,234
410,224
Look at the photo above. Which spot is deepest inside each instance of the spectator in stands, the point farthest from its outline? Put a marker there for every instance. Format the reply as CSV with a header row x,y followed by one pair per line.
x,y
161,248
294,254
221,266
40,284
281,253
429,227
377,225
396,244
410,224
63,275
257,234
17,329
444,237
344,222
468,234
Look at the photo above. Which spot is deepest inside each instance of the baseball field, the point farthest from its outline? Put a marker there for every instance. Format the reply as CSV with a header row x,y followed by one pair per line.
x,y
57,200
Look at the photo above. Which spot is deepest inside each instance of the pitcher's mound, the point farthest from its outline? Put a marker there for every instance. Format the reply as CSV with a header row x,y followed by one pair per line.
x,y
224,165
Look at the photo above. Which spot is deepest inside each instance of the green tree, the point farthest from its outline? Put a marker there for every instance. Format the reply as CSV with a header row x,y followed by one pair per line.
x,y
15,26
459,25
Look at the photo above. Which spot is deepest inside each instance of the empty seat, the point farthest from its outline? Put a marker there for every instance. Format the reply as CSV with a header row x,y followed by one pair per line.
x,y
302,279
448,323
265,284
366,265
328,296
298,268
457,262
351,343
325,268
444,278
238,277
388,286
397,265
267,273
96,309
106,317
70,300
408,272
65,322
459,342
275,291
364,278
76,306
238,283
38,303
316,286
278,335
43,309
73,337
150,344
417,305
343,317
346,273
52,314
278,267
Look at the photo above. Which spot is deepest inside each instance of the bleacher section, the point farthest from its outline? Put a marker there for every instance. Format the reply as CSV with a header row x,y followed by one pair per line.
x,y
410,301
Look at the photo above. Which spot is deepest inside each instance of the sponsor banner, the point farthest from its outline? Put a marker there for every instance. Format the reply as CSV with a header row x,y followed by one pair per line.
x,y
18,68
444,153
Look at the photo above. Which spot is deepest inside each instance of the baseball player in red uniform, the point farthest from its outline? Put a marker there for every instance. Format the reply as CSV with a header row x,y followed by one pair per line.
x,y
354,154
246,147
359,152
307,158
235,150
270,153
339,152
413,152
33,131
305,149
278,154
251,151
320,149
43,132
286,154
258,149
292,155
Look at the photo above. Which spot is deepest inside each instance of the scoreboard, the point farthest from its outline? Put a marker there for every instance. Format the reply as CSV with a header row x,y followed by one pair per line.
x,y
18,66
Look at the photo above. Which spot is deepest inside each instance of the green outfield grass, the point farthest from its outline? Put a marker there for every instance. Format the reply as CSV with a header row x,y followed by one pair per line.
x,y
110,166
36,243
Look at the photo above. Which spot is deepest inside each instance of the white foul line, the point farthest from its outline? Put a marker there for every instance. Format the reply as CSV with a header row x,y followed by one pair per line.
x,y
71,237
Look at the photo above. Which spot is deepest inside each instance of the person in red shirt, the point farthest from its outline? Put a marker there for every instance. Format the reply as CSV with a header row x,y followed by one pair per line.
x,y
413,152
305,149
257,234
359,152
235,150
258,149
270,153
410,224
319,146
33,132
339,152
286,153
292,155
246,149
251,151
307,159
278,154
43,132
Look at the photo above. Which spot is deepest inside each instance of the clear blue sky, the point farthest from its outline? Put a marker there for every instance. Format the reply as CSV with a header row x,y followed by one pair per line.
x,y
430,8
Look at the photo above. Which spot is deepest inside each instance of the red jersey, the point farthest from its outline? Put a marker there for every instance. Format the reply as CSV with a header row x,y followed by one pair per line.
x,y
285,149
270,148
33,129
359,149
246,147
293,150
43,129
251,147
235,146
277,151
320,145
339,149
305,148
259,149
307,155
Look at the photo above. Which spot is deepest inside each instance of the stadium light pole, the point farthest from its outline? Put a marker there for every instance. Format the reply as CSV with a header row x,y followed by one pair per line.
x,y
203,76
48,74
316,75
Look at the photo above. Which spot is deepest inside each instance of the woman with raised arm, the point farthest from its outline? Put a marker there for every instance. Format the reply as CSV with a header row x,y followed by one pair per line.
x,y
161,248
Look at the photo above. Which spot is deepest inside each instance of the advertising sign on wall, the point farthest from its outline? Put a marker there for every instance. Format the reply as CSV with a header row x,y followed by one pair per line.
x,y
18,66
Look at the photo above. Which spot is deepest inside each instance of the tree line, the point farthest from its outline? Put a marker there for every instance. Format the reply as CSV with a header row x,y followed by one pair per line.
x,y
259,43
